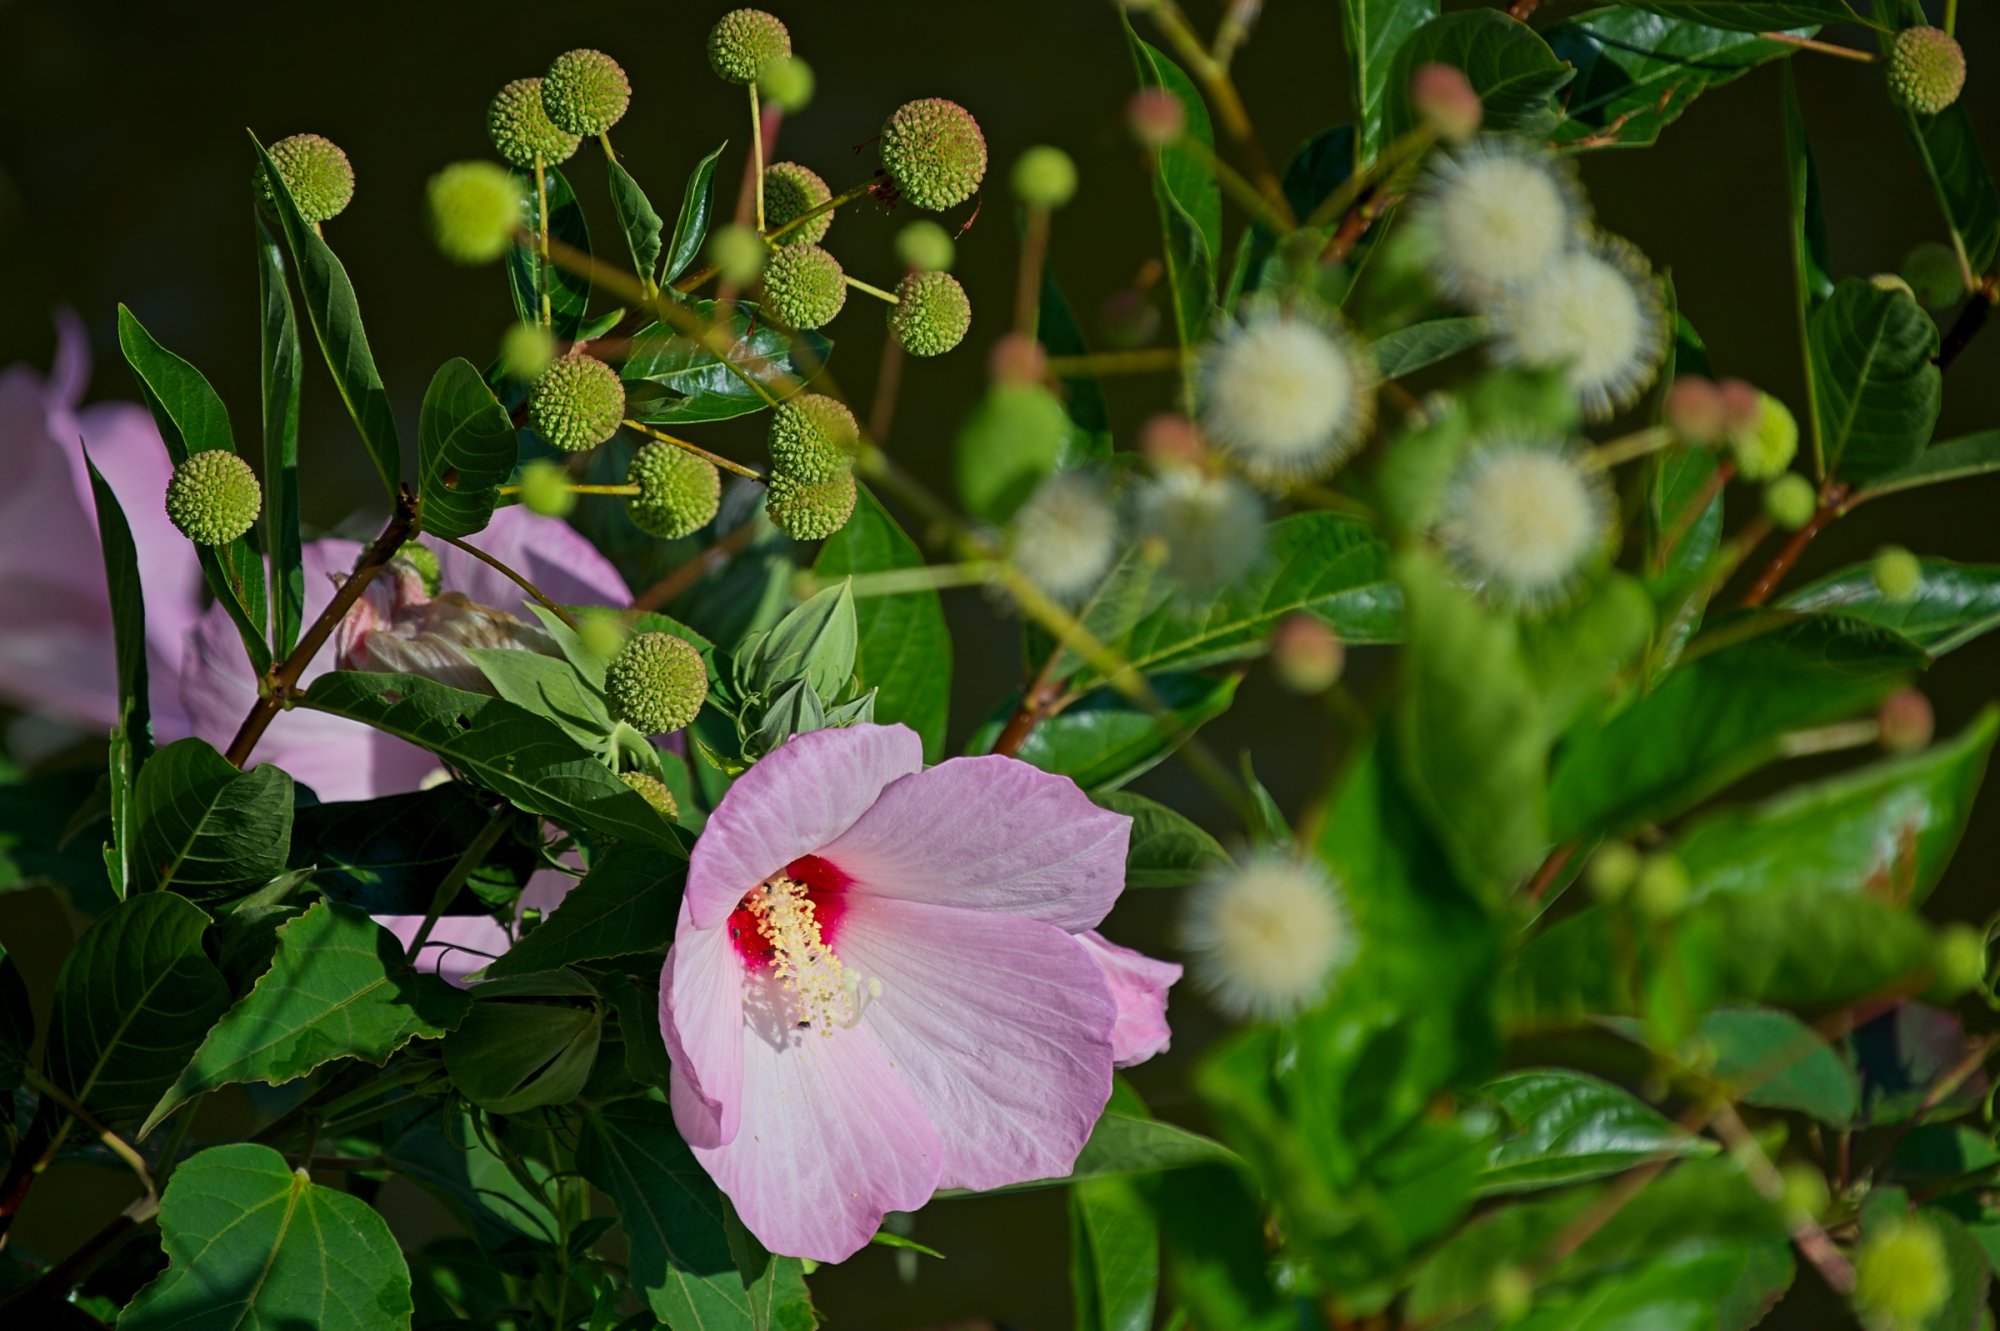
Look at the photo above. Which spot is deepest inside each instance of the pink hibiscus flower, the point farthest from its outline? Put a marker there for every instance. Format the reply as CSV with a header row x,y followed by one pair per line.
x,y
883,982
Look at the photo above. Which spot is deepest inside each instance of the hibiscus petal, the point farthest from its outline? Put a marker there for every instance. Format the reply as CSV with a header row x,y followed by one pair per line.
x,y
548,553
1000,1024
458,945
990,834
701,1019
1139,986
791,803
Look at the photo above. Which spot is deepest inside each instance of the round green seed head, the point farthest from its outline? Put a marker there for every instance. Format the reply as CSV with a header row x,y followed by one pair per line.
x,y
1900,1274
316,173
1768,447
525,351
811,510
1926,69
654,791
812,438
678,492
804,286
743,41
790,191
1898,574
585,92
932,313
738,254
1661,890
475,210
1044,177
934,152
1933,273
214,497
1789,501
1612,870
787,83
656,683
521,130
925,247
545,490
425,561
1960,964
577,403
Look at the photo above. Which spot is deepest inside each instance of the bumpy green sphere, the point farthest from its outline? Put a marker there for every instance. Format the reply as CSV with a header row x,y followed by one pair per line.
x,y
521,129
932,313
475,209
1790,501
577,403
1767,449
1044,177
925,247
545,490
812,437
315,171
656,683
787,83
811,510
790,191
678,492
214,497
1901,1275
1960,964
1898,574
1926,70
585,92
743,41
804,286
654,791
425,561
934,152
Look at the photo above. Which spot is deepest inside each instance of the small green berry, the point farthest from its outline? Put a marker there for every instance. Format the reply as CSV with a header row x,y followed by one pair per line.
x,y
1768,447
810,510
654,791
1901,1275
1612,870
932,313
425,561
1899,576
545,490
585,92
1044,177
787,83
934,153
656,683
521,130
1661,891
678,492
525,351
743,41
603,633
812,437
738,254
790,191
316,173
577,403
1933,273
804,287
1009,442
925,247
1790,501
1960,964
1805,1194
475,211
1510,1292
1926,70
214,497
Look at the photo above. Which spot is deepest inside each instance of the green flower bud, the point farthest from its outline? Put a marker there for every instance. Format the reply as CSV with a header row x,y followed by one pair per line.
x,y
1044,177
654,791
932,313
738,254
1510,1292
316,173
1612,870
678,492
656,683
1926,70
1805,1195
812,438
1900,1273
1960,964
1790,501
787,83
577,403
525,351
545,490
521,130
1662,888
1768,447
585,92
425,561
790,191
810,510
602,633
934,153
475,210
214,497
803,286
1933,273
925,247
1898,574
743,41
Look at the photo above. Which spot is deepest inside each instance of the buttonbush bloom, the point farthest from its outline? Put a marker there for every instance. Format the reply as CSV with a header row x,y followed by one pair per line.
x,y
1291,396
1523,520
1494,215
882,983
1595,313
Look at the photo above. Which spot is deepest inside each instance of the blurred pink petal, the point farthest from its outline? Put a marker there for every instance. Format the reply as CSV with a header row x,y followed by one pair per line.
x,y
398,627
1139,985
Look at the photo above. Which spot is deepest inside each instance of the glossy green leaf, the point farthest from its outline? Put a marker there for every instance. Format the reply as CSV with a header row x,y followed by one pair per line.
x,y
1771,1059
1640,71
671,379
1577,656
1114,1256
252,1243
1186,193
1104,740
132,1002
697,211
510,1057
1966,191
1564,1127
1506,61
278,341
1955,459
1800,947
1375,31
1875,388
569,292
338,988
637,219
465,451
1166,849
552,689
626,903
1752,15
206,830
1953,603
1812,261
1407,350
132,739
1124,1143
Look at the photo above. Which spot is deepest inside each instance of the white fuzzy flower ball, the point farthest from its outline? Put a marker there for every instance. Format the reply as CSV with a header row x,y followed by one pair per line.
x,y
1289,396
1267,938
1597,312
1523,520
1209,529
1066,536
1496,215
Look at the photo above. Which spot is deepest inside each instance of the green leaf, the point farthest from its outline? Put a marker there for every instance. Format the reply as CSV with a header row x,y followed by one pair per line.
x,y
132,740
1114,1256
1875,389
1407,350
278,339
206,830
1721,713
465,451
338,988
388,856
1166,849
508,1057
1083,396
697,208
1376,30
637,219
904,649
551,689
511,752
336,322
445,1155
815,643
1955,459
626,903
1186,193
1771,1059
1800,946
251,1243
1564,1127
1752,15
1507,63
1964,184
569,292
1575,656
17,1023
1812,261
1218,1265
192,419
1104,740
671,379
132,1002
1953,603
1641,71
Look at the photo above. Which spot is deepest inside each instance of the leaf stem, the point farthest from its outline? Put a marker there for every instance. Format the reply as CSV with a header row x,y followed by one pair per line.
x,y
874,291
622,490
1824,48
519,581
748,473
1831,502
1028,286
1625,448
757,151
461,869
543,271
1215,80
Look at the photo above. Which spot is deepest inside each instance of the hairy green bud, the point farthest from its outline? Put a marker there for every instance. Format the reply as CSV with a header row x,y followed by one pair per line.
x,y
545,490
525,351
932,313
804,286
812,437
475,210
925,247
654,791
214,497
1790,501
792,191
1926,69
1510,1292
1805,1194
1898,574
787,83
738,254
1901,1275
316,173
743,41
577,403
656,683
425,561
521,130
1960,960
811,510
602,633
1044,177
585,92
934,152
678,492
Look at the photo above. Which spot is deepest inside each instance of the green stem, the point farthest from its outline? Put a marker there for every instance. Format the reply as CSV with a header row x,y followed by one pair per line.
x,y
928,577
468,860
693,281
519,581
757,151
748,473
874,291
544,273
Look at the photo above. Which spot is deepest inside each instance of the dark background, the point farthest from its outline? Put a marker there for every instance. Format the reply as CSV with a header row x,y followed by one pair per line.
x,y
123,173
